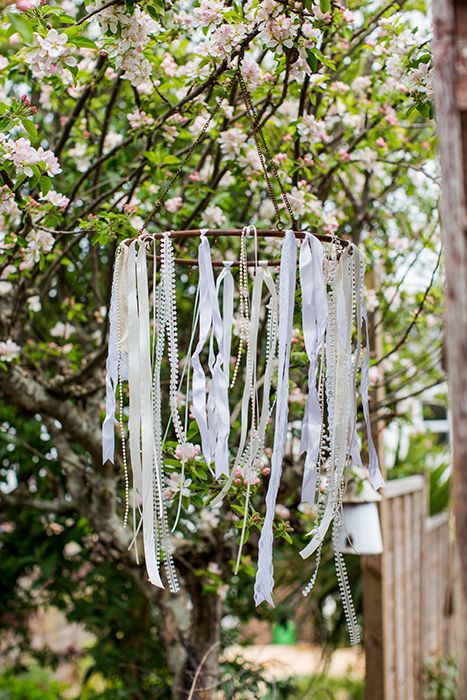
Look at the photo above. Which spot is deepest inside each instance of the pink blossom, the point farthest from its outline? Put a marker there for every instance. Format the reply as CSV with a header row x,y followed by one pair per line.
x,y
172,205
25,5
187,451
279,32
56,199
251,72
169,65
213,217
39,242
225,39
391,116
282,511
176,483
209,12
139,118
312,129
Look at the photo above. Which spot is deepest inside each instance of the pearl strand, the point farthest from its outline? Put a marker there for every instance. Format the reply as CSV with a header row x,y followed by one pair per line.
x,y
120,391
244,305
160,514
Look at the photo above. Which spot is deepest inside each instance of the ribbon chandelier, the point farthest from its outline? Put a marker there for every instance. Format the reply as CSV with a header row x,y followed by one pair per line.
x,y
320,279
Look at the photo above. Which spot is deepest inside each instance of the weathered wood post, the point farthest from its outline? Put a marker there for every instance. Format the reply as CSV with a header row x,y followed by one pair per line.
x,y
374,592
450,87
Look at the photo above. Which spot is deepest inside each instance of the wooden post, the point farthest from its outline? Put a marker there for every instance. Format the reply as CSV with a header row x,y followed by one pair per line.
x,y
450,87
374,591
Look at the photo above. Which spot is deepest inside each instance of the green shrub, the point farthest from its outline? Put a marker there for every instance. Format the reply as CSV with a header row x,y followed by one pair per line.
x,y
35,684
441,679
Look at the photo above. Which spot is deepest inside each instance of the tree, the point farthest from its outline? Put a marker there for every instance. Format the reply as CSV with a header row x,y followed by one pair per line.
x,y
100,105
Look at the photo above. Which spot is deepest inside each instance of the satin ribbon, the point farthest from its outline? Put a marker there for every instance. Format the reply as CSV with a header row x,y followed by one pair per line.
x,y
247,455
218,406
210,321
376,477
147,435
111,374
134,418
314,319
205,320
264,582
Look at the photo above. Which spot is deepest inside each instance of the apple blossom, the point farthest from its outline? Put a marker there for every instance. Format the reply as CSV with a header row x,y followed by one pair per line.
x,y
187,451
176,483
213,217
9,350
173,204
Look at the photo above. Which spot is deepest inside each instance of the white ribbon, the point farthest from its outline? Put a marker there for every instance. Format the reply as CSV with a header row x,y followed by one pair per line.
x,y
247,455
111,375
134,419
218,404
205,320
145,393
376,477
264,583
314,319
210,320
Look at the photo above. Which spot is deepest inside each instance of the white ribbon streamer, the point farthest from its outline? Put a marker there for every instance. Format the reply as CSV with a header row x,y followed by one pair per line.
x,y
314,319
134,419
210,321
145,393
264,583
111,375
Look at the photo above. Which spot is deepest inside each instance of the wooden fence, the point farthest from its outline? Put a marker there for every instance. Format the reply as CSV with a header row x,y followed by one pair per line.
x,y
407,594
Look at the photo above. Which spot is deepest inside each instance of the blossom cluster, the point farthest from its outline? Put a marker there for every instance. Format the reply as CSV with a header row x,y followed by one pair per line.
x,y
127,37
24,156
54,55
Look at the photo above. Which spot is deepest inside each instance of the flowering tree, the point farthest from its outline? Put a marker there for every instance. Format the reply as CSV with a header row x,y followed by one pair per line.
x,y
99,105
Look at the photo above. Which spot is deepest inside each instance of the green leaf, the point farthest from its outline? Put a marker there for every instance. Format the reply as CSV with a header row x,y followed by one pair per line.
x,y
83,42
312,60
30,129
325,6
45,183
23,26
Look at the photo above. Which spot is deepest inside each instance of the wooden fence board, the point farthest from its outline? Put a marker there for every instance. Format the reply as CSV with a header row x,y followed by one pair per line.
x,y
410,587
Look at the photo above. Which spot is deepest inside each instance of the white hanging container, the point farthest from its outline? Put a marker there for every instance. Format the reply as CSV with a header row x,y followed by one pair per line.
x,y
360,530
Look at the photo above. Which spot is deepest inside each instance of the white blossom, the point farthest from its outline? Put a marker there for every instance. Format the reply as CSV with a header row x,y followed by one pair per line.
x,y
213,217
9,350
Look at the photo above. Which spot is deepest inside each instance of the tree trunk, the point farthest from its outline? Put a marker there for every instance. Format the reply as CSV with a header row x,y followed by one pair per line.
x,y
201,673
